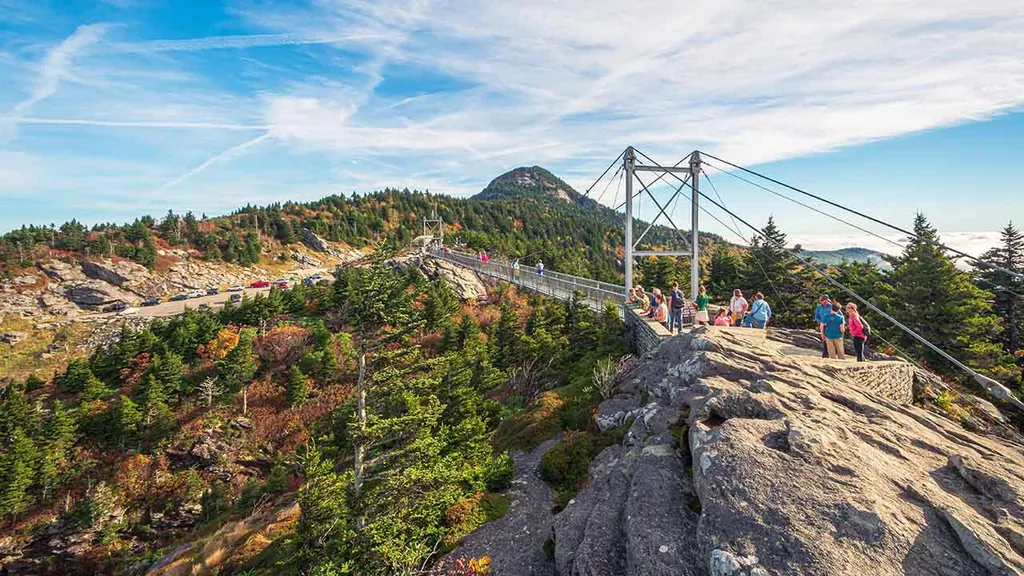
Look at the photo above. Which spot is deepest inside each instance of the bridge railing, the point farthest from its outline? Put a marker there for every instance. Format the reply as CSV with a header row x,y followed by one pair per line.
x,y
554,284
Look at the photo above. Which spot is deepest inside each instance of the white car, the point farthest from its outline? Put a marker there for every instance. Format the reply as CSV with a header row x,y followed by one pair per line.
x,y
236,289
196,294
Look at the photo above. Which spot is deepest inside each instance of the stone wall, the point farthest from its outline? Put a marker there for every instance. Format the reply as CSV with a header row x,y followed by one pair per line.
x,y
890,380
642,336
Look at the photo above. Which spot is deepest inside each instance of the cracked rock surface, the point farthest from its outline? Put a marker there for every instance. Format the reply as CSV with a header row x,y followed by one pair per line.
x,y
789,465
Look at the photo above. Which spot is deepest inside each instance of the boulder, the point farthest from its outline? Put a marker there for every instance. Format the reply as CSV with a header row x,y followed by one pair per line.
x,y
465,282
121,273
309,238
62,271
790,464
95,293
306,260
12,338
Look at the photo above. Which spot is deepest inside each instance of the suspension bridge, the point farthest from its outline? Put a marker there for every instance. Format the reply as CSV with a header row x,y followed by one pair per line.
x,y
631,166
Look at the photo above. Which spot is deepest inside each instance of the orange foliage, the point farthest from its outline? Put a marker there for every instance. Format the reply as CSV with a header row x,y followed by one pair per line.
x,y
219,346
131,375
469,567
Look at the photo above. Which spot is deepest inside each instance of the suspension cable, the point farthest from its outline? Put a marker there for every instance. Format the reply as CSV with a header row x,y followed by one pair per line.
x,y
591,187
842,221
862,215
993,387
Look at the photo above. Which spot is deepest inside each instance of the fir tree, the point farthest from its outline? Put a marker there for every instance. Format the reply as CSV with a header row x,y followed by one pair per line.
x,y
1010,308
296,387
507,336
169,370
440,305
788,287
17,469
238,368
127,422
926,292
725,273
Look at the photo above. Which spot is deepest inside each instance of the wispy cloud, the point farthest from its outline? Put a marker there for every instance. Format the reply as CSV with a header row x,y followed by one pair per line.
x,y
235,42
225,156
56,66
136,124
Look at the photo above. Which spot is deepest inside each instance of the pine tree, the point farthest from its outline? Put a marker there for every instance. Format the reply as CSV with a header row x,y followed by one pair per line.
x,y
58,437
77,377
657,272
926,292
169,370
127,422
14,410
238,368
1009,307
376,302
17,469
440,305
725,273
507,336
324,530
788,287
297,387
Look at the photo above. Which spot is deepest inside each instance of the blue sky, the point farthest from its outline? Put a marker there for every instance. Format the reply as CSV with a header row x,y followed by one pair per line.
x,y
110,109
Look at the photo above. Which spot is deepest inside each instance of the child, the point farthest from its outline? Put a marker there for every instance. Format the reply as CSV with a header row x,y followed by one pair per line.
x,y
722,319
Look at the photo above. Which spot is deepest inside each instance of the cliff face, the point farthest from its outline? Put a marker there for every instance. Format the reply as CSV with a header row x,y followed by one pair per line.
x,y
749,456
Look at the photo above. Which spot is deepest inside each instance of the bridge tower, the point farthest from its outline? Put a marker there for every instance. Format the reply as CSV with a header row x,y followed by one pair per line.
x,y
433,226
692,181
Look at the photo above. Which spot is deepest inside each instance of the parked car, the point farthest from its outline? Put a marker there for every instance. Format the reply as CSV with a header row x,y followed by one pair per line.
x,y
260,284
196,294
236,288
151,301
235,298
281,284
312,280
212,291
115,307
178,298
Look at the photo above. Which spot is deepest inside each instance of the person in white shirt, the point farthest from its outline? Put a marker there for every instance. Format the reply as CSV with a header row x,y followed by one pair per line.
x,y
737,306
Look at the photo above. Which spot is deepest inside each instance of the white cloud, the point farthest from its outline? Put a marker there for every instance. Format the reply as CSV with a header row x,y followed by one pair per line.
x,y
55,67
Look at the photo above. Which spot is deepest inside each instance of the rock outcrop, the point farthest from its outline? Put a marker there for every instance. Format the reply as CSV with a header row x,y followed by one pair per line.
x,y
122,273
96,292
309,238
464,281
746,457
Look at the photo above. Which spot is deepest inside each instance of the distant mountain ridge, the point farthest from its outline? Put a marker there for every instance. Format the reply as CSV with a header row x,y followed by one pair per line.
x,y
533,181
853,254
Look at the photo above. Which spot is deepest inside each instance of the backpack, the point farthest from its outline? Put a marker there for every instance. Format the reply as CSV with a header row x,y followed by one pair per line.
x,y
867,327
678,302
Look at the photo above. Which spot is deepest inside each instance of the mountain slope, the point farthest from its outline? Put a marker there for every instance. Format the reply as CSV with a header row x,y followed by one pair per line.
x,y
532,182
853,254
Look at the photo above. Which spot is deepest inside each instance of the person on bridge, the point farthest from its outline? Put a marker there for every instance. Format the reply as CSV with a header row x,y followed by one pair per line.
x,y
675,312
484,257
856,329
760,313
737,306
821,313
701,305
515,269
832,331
540,267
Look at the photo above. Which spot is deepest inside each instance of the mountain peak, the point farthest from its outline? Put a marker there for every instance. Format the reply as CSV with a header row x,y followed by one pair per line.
x,y
533,181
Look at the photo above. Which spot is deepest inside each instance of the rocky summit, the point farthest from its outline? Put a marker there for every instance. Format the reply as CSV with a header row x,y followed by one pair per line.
x,y
750,456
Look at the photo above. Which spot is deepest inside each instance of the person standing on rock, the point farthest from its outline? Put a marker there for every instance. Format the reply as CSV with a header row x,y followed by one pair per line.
x,y
832,331
737,306
856,323
675,311
821,313
701,305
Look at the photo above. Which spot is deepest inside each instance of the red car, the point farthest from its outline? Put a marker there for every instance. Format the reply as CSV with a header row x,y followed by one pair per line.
x,y
260,284
281,285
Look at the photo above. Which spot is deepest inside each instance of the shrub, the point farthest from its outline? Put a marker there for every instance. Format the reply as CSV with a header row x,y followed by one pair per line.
x,y
564,466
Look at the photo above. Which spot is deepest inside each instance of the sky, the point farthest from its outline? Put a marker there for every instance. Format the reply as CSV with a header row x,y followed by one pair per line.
x,y
114,108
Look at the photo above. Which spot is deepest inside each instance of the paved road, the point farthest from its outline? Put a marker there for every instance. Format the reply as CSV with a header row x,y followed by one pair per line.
x,y
174,308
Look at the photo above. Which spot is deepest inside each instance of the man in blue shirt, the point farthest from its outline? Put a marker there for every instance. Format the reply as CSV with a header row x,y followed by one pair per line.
x,y
822,312
832,331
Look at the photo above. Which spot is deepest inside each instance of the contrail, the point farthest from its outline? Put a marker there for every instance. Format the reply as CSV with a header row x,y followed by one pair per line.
x,y
238,41
224,156
135,123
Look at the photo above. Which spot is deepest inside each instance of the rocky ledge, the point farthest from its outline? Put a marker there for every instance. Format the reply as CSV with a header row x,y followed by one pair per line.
x,y
745,457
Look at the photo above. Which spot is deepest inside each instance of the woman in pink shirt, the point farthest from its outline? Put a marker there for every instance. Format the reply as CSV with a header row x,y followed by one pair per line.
x,y
856,330
723,318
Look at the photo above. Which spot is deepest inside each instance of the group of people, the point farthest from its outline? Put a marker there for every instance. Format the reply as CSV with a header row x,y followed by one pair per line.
x,y
754,314
833,324
660,307
514,265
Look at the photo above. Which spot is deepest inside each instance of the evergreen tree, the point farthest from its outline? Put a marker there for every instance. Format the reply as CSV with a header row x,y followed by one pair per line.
x,y
238,368
14,410
926,292
506,337
440,305
657,272
325,529
58,438
78,377
296,387
1009,307
788,287
17,469
169,370
127,422
725,273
